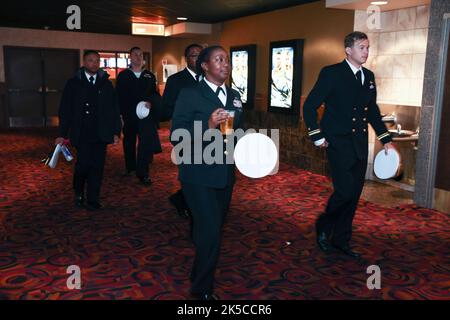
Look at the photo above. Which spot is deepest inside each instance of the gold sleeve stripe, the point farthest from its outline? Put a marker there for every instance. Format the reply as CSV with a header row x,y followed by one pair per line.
x,y
311,133
384,135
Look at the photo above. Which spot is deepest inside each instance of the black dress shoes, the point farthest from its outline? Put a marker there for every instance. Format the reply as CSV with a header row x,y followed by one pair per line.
x,y
93,205
322,241
185,213
209,297
347,250
79,201
146,181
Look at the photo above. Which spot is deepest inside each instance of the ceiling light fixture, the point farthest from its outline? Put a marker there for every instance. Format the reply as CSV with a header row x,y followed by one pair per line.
x,y
379,3
147,29
182,18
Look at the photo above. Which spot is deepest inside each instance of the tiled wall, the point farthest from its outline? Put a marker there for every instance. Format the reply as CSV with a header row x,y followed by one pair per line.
x,y
397,53
397,57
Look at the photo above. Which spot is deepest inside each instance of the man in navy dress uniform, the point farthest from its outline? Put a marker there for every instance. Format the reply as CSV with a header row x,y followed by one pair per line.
x,y
89,117
185,78
349,93
134,85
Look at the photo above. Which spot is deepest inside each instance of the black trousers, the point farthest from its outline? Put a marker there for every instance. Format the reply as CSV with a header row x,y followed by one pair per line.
x,y
144,149
89,169
348,174
209,207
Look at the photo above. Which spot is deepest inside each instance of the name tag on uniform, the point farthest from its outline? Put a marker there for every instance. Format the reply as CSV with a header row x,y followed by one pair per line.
x,y
147,75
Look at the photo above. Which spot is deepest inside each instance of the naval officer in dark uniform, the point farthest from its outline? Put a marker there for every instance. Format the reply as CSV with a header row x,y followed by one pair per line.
x,y
349,93
89,117
207,188
183,79
134,85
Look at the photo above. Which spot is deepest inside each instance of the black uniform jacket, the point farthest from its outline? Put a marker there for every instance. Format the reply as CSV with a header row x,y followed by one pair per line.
x,y
349,106
132,90
174,84
196,103
72,109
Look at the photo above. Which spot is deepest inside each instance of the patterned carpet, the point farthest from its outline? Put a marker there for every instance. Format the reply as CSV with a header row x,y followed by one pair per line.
x,y
138,248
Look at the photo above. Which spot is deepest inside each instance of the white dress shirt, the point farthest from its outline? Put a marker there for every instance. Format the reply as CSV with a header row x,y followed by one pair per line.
x,y
355,70
90,75
222,94
193,74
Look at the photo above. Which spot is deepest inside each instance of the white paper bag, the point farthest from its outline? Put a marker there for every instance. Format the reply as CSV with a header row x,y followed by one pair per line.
x,y
54,159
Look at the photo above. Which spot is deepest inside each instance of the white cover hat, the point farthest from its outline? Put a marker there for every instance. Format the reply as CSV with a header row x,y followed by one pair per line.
x,y
387,166
141,110
256,155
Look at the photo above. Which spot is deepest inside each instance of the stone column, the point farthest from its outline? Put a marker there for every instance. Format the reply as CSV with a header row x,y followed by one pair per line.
x,y
423,195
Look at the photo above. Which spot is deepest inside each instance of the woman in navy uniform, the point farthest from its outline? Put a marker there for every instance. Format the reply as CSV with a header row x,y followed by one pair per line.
x,y
207,187
349,93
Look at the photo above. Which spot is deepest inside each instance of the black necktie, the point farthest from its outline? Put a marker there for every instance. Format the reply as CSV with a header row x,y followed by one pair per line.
x,y
91,80
358,76
218,90
197,77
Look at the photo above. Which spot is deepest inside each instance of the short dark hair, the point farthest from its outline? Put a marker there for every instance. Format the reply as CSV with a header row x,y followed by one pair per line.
x,y
350,39
88,52
204,56
189,47
134,48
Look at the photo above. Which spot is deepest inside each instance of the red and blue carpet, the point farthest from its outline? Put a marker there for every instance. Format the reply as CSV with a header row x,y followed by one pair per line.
x,y
138,248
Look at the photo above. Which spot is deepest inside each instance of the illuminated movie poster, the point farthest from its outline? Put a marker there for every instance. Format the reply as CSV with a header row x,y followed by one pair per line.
x,y
285,76
239,81
282,77
243,72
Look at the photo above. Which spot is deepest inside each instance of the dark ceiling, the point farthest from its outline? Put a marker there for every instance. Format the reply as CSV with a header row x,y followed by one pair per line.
x,y
115,16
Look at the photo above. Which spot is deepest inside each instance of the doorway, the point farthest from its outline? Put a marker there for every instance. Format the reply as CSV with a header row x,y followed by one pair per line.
x,y
35,79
